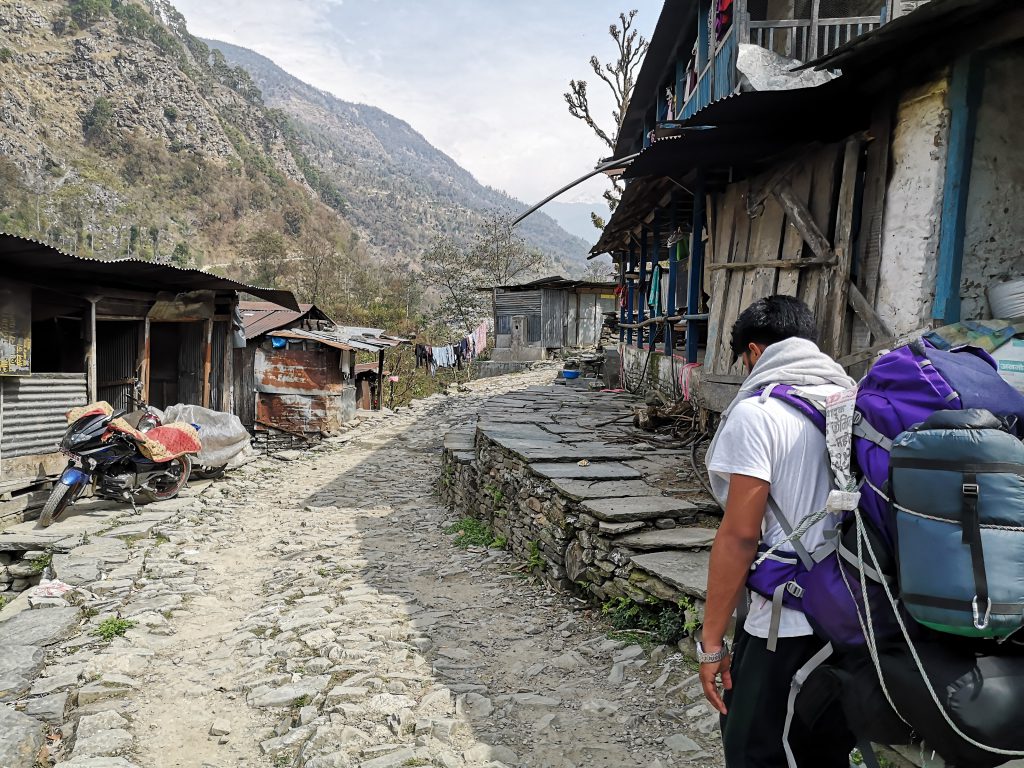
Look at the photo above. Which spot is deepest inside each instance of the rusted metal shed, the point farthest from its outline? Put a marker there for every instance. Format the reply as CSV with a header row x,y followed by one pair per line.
x,y
297,373
76,329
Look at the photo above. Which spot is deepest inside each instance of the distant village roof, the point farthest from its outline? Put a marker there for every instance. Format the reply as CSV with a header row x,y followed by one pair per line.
x,y
34,256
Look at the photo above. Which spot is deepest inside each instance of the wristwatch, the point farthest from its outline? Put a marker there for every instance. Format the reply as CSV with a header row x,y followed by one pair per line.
x,y
711,658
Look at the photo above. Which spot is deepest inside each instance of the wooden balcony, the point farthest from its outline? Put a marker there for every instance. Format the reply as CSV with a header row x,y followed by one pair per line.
x,y
808,39
799,39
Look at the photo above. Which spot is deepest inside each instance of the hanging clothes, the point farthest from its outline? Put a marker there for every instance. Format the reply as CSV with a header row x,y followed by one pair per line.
x,y
654,295
481,337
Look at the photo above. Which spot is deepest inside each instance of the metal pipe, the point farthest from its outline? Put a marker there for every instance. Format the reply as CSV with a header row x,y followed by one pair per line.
x,y
602,168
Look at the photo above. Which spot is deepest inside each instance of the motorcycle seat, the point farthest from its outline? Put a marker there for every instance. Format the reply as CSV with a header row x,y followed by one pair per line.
x,y
164,443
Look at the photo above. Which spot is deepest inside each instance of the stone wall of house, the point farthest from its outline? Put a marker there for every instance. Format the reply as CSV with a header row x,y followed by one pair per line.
x,y
570,542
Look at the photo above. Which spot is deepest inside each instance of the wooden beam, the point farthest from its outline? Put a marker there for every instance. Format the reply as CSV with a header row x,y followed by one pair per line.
x,y
144,373
90,353
843,246
866,354
965,90
801,218
859,304
775,263
207,367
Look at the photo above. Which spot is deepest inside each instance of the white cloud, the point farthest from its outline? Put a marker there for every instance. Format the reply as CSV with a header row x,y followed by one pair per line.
x,y
482,81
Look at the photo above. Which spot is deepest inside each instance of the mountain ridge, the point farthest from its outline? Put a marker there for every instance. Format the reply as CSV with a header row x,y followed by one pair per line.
x,y
420,174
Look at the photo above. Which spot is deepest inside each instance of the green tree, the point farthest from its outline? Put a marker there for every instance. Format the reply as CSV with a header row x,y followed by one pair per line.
x,y
97,123
265,252
85,12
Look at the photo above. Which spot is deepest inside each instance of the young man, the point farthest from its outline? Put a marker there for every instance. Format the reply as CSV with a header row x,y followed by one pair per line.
x,y
766,450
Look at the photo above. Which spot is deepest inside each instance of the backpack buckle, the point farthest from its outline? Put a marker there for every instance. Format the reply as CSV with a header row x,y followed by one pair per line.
x,y
979,621
970,489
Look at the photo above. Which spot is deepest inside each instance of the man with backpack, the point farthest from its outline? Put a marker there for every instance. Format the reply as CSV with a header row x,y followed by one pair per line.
x,y
769,468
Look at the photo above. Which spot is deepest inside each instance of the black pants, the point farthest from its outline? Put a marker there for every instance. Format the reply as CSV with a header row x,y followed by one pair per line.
x,y
752,731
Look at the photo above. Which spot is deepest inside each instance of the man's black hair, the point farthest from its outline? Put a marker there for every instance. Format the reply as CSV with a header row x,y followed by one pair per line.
x,y
772,319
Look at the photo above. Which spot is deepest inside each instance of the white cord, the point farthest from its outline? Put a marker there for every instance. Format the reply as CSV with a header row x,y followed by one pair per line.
x,y
919,664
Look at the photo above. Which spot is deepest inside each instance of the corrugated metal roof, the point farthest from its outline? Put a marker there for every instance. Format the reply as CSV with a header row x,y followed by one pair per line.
x,y
29,255
555,281
260,317
298,333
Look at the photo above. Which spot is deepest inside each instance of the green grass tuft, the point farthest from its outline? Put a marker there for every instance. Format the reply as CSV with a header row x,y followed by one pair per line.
x,y
113,627
471,533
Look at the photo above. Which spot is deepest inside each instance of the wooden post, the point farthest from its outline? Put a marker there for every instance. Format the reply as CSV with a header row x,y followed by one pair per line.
x,y
623,268
144,372
652,331
965,91
673,250
642,287
90,353
696,269
207,360
380,379
630,293
812,37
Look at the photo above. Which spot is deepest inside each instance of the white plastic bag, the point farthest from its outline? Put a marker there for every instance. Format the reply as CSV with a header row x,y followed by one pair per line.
x,y
225,440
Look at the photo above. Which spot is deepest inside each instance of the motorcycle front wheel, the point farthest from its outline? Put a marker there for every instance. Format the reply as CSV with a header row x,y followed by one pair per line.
x,y
176,475
60,497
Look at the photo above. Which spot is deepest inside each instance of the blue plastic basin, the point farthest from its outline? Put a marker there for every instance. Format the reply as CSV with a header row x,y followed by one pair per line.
x,y
570,374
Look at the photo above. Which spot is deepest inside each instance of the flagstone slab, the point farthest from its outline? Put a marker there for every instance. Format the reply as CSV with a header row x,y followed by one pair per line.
x,y
593,489
686,571
39,627
621,510
602,470
673,538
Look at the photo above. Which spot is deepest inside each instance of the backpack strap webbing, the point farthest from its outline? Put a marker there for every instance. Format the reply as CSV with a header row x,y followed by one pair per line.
x,y
868,753
799,678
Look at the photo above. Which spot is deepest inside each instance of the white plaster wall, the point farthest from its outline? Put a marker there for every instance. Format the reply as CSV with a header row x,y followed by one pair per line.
x,y
994,235
910,232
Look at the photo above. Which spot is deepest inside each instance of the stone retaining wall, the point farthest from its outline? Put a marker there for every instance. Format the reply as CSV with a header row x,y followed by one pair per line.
x,y
575,539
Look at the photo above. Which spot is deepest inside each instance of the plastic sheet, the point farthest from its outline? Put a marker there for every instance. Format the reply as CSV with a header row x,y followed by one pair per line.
x,y
225,440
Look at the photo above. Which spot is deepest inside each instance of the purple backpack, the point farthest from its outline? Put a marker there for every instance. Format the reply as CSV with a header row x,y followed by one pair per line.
x,y
903,388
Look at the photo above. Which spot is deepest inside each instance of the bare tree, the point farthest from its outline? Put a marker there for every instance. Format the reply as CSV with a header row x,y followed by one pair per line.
x,y
620,77
499,255
319,257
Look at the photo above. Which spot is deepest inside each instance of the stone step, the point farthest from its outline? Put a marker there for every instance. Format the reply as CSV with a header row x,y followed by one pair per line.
x,y
602,470
629,508
596,489
686,571
673,538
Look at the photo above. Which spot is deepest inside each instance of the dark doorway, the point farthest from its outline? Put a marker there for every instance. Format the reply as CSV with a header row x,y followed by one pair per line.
x,y
117,354
176,363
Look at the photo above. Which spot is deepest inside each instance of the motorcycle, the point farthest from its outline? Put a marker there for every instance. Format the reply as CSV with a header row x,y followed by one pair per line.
x,y
122,462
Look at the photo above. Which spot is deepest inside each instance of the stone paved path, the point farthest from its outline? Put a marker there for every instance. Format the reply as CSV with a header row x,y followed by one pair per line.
x,y
313,612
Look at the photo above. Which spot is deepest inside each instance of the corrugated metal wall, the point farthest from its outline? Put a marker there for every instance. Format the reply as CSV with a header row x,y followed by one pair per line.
x,y
510,303
554,313
190,363
117,349
33,411
217,362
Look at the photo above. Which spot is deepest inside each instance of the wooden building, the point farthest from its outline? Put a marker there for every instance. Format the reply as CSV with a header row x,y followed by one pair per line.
x,y
887,198
74,330
531,320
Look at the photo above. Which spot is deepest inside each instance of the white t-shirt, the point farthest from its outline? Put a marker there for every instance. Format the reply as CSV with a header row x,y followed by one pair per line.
x,y
772,441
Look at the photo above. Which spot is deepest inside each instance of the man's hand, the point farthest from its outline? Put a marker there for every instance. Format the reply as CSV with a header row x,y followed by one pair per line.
x,y
708,679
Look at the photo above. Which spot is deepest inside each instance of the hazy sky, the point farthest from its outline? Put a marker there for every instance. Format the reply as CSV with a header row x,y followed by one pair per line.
x,y
481,79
